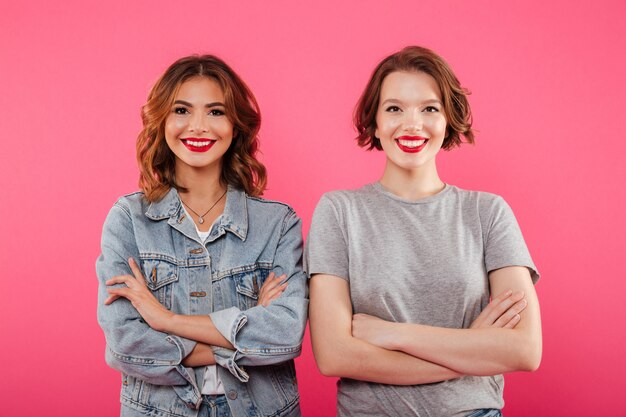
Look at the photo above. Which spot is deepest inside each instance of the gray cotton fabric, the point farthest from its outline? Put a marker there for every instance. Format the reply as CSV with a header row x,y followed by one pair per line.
x,y
424,262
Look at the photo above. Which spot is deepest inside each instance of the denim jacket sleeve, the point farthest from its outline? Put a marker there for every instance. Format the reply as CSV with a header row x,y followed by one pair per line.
x,y
273,334
132,346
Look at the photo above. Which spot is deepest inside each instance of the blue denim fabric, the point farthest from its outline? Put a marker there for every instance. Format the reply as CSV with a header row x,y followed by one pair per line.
x,y
211,406
220,278
214,406
486,413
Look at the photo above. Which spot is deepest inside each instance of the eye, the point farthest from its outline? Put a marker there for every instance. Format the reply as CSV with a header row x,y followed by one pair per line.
x,y
431,109
392,109
216,112
180,110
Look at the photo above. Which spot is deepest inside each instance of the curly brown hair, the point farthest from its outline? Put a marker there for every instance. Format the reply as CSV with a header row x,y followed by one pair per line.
x,y
416,59
240,167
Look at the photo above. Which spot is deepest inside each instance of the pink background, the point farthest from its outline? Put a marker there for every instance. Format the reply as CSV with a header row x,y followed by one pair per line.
x,y
548,100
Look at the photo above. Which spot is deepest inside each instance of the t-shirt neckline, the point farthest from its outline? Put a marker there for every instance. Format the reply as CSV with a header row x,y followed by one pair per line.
x,y
378,187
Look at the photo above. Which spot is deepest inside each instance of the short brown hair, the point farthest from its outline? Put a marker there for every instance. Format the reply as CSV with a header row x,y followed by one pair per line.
x,y
456,108
240,167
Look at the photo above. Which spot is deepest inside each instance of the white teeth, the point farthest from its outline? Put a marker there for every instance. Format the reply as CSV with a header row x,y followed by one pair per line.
x,y
198,144
411,143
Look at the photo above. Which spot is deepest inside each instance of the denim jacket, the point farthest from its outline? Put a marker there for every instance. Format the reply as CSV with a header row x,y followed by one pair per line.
x,y
220,278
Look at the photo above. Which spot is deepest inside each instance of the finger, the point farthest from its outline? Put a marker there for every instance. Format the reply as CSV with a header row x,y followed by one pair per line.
x,y
110,299
120,279
272,294
513,322
271,283
136,271
488,311
515,309
276,291
501,297
500,305
119,292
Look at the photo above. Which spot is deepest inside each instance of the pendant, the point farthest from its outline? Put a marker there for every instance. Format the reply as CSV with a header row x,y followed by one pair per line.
x,y
200,220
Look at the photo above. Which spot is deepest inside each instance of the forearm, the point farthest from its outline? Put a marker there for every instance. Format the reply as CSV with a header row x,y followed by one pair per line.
x,y
198,328
349,357
480,351
487,351
339,353
201,355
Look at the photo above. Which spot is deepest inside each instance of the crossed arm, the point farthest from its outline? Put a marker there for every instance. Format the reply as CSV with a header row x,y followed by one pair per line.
x,y
505,337
198,328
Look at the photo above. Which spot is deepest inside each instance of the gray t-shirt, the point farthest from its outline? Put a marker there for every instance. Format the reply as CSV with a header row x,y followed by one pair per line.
x,y
424,262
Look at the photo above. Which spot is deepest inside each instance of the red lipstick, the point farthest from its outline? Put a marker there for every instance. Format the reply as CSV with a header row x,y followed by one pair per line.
x,y
411,144
198,144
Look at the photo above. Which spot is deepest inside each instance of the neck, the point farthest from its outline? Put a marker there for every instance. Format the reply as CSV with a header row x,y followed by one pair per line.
x,y
413,184
203,186
201,183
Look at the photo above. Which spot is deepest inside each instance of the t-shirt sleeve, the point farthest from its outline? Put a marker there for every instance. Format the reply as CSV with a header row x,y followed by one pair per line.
x,y
505,245
326,250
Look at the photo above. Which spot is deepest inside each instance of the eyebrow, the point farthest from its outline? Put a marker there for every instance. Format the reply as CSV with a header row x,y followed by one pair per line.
x,y
396,101
209,105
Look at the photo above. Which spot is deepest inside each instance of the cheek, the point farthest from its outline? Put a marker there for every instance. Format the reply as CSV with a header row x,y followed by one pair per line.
x,y
437,125
222,127
173,127
386,126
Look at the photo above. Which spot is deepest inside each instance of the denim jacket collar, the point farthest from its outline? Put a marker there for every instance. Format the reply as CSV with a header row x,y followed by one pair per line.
x,y
234,219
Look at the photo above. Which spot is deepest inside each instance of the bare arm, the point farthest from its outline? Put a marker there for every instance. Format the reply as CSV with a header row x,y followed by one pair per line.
x,y
201,355
338,353
474,351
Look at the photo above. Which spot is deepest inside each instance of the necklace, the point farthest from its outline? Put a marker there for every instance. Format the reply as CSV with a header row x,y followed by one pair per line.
x,y
200,218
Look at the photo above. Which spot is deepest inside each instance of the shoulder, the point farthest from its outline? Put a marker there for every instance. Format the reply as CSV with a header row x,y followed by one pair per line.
x,y
270,211
343,199
484,201
131,203
268,207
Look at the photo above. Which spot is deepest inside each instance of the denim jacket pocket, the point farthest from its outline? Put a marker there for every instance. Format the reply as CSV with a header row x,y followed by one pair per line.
x,y
134,389
149,399
248,285
160,274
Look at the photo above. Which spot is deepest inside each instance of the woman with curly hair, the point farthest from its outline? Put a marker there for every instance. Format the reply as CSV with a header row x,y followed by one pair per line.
x,y
202,295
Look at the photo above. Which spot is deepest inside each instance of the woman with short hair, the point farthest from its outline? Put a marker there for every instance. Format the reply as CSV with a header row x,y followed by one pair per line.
x,y
402,270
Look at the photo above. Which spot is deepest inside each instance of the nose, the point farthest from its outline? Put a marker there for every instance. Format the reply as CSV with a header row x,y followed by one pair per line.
x,y
199,123
413,121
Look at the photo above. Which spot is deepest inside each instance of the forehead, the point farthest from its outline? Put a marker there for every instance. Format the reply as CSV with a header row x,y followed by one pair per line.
x,y
409,86
199,87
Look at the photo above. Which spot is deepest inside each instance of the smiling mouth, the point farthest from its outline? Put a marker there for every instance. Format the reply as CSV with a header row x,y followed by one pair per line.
x,y
198,145
411,144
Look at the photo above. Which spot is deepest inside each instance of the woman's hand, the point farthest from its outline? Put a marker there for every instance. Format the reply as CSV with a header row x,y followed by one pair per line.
x,y
140,296
373,330
502,312
271,289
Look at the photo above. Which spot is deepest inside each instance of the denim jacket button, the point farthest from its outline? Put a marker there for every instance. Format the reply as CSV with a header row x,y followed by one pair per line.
x,y
232,394
196,251
197,294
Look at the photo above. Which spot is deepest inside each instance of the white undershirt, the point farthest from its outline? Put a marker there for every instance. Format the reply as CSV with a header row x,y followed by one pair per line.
x,y
212,383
